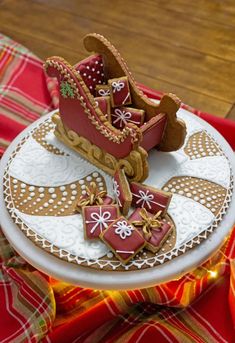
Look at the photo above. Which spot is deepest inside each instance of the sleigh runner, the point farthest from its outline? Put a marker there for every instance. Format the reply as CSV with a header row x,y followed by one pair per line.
x,y
84,124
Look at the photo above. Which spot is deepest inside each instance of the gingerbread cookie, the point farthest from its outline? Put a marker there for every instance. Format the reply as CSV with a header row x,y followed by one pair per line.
x,y
123,239
150,198
119,91
93,196
97,218
154,229
102,90
122,190
123,115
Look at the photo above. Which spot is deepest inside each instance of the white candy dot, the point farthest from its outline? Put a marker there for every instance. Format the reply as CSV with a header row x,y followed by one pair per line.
x,y
83,192
41,195
95,174
23,185
88,178
62,188
81,182
63,199
32,194
75,192
54,196
46,204
98,179
41,189
73,198
65,193
14,181
50,201
51,190
31,188
73,186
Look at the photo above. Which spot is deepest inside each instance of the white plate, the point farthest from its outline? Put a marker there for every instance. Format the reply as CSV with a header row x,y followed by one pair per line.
x,y
86,277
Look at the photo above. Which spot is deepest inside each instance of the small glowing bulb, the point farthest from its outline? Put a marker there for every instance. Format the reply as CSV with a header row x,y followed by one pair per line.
x,y
213,273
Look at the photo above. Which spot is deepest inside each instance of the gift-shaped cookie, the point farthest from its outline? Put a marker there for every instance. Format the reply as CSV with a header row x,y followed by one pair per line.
x,y
122,190
97,218
154,229
123,239
123,115
104,104
119,91
102,90
152,199
93,197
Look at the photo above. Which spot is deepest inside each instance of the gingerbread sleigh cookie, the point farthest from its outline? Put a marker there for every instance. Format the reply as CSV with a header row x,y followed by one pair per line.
x,y
137,125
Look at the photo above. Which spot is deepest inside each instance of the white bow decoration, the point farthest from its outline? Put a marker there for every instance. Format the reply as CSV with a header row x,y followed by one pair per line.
x,y
116,192
100,219
104,92
123,117
123,229
146,198
117,86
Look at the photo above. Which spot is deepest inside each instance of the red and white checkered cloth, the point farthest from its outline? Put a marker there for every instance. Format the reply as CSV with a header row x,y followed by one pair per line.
x,y
199,307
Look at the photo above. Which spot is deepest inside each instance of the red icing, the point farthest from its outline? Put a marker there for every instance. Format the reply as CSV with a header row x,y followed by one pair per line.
x,y
159,235
131,243
119,91
153,131
98,218
123,115
92,71
104,104
119,191
74,117
152,199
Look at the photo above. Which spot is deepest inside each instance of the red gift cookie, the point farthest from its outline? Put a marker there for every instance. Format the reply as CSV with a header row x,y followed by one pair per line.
x,y
97,218
104,104
152,199
93,197
123,239
102,90
154,229
122,190
123,115
119,91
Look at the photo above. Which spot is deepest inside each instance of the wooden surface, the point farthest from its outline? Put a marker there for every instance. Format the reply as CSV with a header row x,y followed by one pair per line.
x,y
180,46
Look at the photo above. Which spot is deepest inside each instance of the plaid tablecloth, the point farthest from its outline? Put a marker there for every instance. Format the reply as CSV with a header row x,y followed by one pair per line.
x,y
199,307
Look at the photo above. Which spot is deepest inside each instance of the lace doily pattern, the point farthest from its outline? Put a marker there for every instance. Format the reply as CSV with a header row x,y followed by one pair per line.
x,y
185,202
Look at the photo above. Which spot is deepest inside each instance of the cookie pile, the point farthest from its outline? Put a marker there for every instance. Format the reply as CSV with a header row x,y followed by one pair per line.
x,y
132,221
113,99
